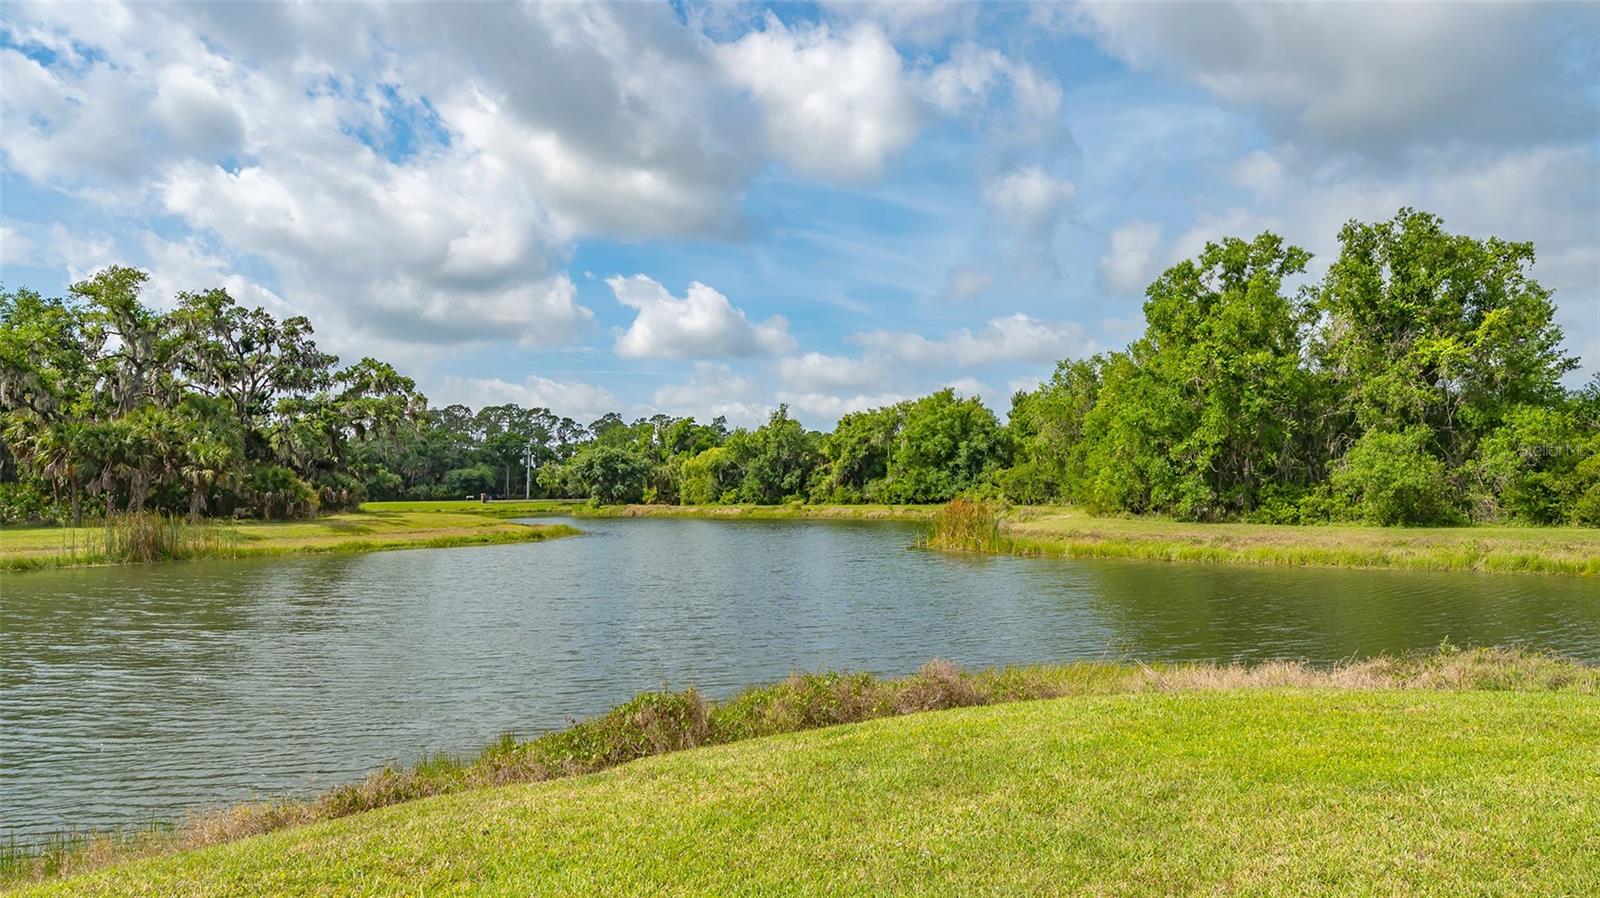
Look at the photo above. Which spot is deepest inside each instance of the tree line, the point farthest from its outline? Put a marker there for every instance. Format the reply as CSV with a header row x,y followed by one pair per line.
x,y
107,405
1419,381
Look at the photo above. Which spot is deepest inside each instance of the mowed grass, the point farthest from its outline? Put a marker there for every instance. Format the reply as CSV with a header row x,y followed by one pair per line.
x,y
1280,791
366,530
1070,533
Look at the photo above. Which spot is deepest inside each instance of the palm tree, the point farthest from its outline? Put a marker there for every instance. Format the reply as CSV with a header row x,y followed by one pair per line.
x,y
59,455
205,462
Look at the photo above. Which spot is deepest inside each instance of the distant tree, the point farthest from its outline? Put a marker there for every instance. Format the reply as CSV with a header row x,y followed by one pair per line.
x,y
946,445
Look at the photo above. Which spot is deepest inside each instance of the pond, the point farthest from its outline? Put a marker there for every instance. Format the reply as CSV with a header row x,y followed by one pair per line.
x,y
131,695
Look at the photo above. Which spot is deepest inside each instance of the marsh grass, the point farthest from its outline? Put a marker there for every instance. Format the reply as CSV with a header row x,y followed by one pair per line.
x,y
971,525
144,537
132,538
660,722
966,525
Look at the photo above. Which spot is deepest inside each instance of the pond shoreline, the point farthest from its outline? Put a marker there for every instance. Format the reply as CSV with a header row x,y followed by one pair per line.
x,y
657,723
1029,531
1063,532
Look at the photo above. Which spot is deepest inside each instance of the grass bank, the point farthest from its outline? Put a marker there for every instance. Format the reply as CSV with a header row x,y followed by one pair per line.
x,y
1069,533
366,530
1409,774
1058,532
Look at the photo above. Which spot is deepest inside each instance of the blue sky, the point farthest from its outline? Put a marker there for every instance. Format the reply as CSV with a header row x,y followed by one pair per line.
x,y
712,209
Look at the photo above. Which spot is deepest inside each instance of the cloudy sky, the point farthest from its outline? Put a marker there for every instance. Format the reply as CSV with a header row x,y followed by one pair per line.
x,y
711,209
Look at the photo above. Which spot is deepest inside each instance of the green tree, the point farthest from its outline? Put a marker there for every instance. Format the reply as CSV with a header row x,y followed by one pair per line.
x,y
1439,330
945,445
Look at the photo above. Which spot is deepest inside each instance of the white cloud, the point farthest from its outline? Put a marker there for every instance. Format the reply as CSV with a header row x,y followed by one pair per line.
x,y
1131,258
538,313
1028,203
1324,75
963,282
970,388
15,249
701,325
835,106
966,82
816,372
918,22
714,391
823,409
1261,172
574,399
1236,222
1016,337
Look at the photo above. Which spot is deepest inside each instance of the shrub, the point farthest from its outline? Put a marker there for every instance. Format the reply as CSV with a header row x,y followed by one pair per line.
x,y
1391,478
26,503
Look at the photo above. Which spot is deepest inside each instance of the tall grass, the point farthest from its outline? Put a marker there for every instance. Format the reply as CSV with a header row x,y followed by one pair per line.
x,y
656,723
134,538
146,536
966,525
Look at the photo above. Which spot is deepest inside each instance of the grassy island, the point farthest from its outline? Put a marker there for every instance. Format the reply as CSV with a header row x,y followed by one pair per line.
x,y
156,538
1475,771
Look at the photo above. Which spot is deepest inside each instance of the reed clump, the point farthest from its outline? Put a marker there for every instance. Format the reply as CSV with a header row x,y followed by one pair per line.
x,y
660,722
143,537
966,525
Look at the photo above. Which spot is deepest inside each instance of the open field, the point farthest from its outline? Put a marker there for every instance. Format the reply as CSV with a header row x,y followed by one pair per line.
x,y
367,530
1421,775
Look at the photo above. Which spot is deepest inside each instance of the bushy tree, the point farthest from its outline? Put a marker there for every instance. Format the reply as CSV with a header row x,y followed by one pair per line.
x,y
1392,477
609,474
945,445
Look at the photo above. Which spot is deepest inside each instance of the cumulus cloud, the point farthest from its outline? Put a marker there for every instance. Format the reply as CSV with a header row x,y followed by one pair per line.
x,y
823,409
574,399
922,23
1012,338
816,372
410,171
701,325
714,390
1028,202
15,248
1323,75
835,105
967,83
1131,258
970,388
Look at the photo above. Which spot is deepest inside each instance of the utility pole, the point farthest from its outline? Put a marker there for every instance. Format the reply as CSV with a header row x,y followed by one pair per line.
x,y
527,482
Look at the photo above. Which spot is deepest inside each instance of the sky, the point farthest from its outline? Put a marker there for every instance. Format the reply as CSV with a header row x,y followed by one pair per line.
x,y
714,209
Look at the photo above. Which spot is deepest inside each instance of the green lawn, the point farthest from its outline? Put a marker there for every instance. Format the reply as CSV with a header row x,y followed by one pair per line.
x,y
1261,792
